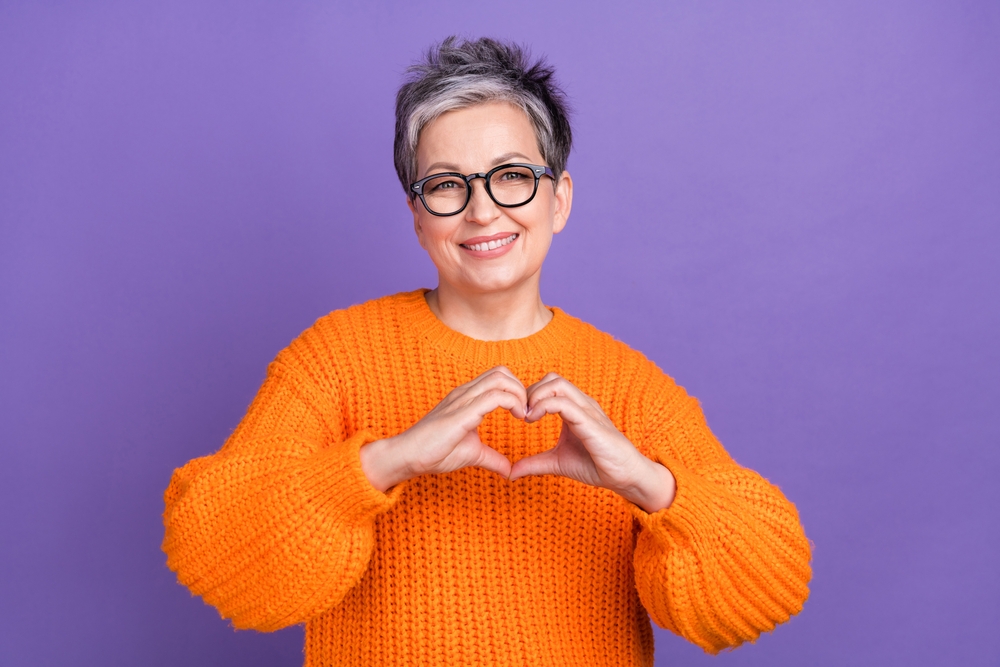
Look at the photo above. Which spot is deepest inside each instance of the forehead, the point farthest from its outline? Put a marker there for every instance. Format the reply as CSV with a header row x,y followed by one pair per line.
x,y
472,138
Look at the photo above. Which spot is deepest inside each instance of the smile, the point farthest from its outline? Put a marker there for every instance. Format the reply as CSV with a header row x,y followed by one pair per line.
x,y
491,245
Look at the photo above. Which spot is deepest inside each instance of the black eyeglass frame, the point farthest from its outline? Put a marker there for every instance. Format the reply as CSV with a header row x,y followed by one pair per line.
x,y
538,170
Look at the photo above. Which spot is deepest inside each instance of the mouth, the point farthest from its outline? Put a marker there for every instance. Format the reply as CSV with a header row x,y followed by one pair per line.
x,y
490,245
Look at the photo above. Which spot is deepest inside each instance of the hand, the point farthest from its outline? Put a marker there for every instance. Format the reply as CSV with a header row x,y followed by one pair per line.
x,y
446,438
591,449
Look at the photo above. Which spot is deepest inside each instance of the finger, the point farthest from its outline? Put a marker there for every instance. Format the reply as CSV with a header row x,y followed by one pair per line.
x,y
493,371
530,391
545,463
553,382
564,406
548,377
498,377
489,379
502,382
490,400
463,389
555,385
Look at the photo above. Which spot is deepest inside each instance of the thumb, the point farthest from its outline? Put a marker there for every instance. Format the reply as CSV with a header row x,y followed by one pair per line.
x,y
492,460
545,463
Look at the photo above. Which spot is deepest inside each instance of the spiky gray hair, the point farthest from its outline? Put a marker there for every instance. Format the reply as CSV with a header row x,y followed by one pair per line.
x,y
457,74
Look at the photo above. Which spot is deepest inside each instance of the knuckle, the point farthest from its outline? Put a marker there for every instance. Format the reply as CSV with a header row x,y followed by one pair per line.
x,y
493,394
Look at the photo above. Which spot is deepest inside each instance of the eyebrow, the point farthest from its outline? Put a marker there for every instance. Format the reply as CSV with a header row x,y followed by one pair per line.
x,y
448,166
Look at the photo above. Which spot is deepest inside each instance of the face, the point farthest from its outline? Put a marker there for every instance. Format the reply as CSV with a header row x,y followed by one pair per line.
x,y
476,139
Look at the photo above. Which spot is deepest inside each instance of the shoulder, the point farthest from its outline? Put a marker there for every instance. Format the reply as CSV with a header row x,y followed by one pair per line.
x,y
369,325
368,318
642,378
595,343
373,312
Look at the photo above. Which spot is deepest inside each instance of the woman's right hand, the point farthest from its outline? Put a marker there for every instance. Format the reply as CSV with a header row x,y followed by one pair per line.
x,y
446,438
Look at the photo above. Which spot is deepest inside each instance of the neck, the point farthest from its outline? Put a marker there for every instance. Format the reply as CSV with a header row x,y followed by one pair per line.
x,y
513,313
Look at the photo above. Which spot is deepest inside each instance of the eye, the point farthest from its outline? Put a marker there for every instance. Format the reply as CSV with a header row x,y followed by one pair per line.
x,y
512,175
443,184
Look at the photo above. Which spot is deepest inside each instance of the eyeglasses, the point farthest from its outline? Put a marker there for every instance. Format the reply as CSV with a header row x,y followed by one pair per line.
x,y
508,185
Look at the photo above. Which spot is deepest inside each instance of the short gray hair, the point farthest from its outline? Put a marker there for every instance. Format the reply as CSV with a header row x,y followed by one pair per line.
x,y
458,74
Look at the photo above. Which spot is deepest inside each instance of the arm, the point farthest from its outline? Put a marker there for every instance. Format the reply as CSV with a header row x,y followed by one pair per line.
x,y
727,559
277,526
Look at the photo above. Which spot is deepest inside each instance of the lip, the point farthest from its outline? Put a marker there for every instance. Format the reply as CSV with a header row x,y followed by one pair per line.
x,y
496,252
485,239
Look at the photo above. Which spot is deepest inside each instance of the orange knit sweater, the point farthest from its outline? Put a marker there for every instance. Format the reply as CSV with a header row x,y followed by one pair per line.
x,y
282,527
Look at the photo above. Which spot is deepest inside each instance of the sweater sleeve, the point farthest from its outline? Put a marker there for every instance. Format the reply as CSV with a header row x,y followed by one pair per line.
x,y
728,559
277,526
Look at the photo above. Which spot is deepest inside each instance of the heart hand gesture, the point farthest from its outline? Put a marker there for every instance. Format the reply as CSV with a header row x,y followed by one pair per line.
x,y
590,448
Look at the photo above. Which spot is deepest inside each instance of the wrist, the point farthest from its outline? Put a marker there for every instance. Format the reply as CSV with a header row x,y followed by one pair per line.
x,y
654,489
382,465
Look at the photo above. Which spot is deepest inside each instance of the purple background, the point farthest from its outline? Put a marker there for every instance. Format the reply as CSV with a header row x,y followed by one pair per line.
x,y
792,209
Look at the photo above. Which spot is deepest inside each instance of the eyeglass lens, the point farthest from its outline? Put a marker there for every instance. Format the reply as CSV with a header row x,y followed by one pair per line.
x,y
510,186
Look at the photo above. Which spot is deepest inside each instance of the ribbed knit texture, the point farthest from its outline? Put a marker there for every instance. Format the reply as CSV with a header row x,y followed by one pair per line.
x,y
282,527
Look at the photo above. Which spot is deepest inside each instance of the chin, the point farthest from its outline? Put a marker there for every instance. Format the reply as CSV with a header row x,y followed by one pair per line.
x,y
488,284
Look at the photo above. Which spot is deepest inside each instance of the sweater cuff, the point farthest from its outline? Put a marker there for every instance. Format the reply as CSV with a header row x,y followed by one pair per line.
x,y
685,514
337,485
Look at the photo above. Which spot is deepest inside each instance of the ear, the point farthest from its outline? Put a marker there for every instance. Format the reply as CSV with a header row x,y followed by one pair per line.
x,y
416,222
564,202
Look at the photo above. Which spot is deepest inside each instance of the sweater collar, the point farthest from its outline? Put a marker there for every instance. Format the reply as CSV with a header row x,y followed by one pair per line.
x,y
418,318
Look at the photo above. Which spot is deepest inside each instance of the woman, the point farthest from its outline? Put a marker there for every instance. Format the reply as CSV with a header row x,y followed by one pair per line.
x,y
464,475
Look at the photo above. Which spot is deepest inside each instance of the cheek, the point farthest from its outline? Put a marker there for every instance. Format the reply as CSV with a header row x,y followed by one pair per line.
x,y
542,233
435,239
439,240
538,225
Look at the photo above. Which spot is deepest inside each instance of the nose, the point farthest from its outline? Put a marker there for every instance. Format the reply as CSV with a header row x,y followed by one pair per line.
x,y
481,210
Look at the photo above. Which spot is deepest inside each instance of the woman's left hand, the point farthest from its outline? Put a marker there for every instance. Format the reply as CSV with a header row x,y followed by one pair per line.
x,y
591,449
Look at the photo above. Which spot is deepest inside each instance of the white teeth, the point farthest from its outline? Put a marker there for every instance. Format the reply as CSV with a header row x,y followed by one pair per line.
x,y
491,245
